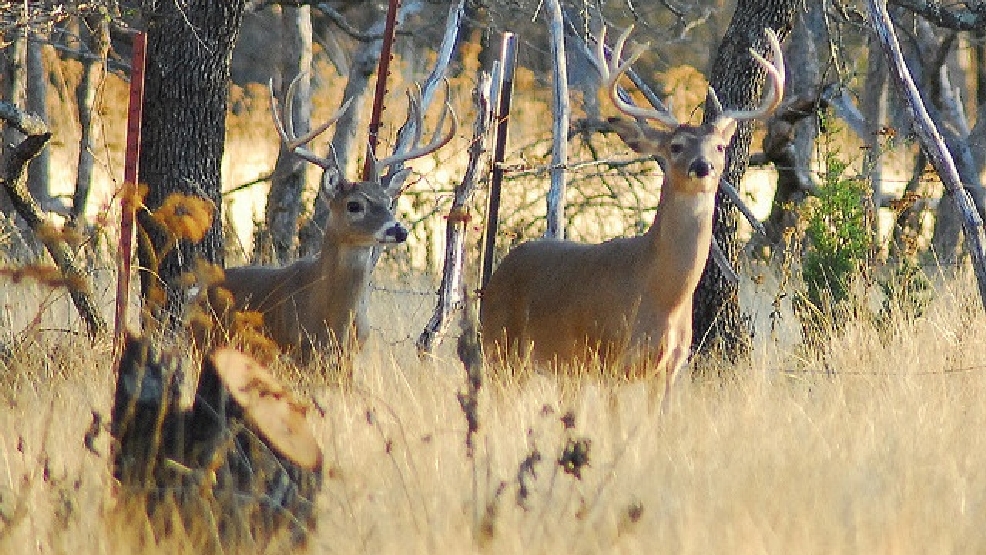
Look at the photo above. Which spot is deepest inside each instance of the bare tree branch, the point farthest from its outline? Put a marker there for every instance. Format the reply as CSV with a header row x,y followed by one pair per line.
x,y
971,18
932,142
14,180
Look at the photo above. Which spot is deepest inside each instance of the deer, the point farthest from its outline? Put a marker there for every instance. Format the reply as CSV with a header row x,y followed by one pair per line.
x,y
625,303
319,303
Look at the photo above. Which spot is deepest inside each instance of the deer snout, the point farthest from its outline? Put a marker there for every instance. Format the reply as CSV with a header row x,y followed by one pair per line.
x,y
700,168
396,233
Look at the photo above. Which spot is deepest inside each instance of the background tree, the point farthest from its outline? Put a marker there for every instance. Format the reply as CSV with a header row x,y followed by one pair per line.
x,y
276,242
718,322
94,46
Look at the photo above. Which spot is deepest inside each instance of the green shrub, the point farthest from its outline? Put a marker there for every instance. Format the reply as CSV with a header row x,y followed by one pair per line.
x,y
838,234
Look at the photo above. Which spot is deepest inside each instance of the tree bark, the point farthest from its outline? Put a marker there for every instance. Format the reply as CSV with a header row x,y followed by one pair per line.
x,y
95,33
717,321
288,181
38,181
184,124
791,132
14,81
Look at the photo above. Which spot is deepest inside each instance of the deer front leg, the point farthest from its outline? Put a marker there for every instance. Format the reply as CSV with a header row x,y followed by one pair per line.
x,y
664,354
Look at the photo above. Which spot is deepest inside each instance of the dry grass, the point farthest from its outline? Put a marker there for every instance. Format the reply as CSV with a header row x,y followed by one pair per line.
x,y
877,450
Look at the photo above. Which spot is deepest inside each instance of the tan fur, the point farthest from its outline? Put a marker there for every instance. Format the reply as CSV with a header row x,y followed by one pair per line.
x,y
626,300
320,302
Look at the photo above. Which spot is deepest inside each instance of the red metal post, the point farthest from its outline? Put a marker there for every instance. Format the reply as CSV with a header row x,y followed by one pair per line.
x,y
383,71
130,176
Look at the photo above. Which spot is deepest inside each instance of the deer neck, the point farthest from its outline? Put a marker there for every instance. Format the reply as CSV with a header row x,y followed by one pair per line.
x,y
679,241
344,272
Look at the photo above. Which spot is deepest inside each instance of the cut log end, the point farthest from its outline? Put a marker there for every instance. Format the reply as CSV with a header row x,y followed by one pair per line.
x,y
269,408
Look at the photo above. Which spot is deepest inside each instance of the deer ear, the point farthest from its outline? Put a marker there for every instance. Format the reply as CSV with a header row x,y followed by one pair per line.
x,y
393,182
644,140
332,182
725,127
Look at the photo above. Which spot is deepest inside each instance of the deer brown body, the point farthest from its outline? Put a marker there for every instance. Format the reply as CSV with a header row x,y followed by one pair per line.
x,y
627,300
319,303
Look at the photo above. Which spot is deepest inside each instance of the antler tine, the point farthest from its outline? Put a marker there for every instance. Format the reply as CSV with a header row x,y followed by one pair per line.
x,y
613,69
286,132
437,140
775,75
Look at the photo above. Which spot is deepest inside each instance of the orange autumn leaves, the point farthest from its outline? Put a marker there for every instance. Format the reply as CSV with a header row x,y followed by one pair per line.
x,y
181,216
212,316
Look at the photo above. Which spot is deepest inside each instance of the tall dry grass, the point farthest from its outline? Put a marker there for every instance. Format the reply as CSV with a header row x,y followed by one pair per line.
x,y
875,447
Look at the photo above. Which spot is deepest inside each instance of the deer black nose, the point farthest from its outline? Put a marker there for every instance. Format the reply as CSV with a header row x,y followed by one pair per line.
x,y
700,168
398,233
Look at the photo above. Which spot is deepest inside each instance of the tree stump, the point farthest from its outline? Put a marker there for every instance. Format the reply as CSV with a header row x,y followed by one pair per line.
x,y
240,468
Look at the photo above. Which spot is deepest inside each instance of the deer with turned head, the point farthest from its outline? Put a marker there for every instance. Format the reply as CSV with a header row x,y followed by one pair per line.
x,y
627,300
319,302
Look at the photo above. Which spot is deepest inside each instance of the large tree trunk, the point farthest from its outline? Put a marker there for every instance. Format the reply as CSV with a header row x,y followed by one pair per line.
x,y
738,81
937,76
277,241
184,123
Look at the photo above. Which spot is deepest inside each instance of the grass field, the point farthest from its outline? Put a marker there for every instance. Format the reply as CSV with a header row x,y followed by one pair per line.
x,y
877,449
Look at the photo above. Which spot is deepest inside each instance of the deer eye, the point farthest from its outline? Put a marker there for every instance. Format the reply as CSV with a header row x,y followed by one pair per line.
x,y
676,148
721,147
353,207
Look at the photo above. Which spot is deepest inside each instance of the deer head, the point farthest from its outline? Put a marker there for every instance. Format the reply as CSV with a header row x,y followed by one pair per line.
x,y
693,156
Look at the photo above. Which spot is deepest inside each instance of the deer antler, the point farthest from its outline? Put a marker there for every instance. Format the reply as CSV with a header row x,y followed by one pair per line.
x,y
612,69
297,144
415,118
775,74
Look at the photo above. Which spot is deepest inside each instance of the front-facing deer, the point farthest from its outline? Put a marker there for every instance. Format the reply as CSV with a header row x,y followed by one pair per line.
x,y
319,303
628,300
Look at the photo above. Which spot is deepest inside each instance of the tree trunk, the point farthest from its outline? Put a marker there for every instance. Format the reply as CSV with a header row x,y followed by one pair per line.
x,y
718,324
184,123
979,62
944,108
14,81
240,468
38,181
288,182
95,33
790,138
874,108
561,115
